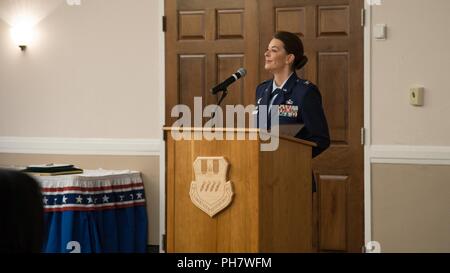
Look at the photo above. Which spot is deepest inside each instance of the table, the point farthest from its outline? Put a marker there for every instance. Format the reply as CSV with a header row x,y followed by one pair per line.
x,y
99,211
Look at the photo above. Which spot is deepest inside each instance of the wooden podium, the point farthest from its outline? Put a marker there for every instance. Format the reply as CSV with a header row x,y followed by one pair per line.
x,y
271,208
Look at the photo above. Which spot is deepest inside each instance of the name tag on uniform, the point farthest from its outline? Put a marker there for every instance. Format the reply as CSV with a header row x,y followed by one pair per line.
x,y
290,111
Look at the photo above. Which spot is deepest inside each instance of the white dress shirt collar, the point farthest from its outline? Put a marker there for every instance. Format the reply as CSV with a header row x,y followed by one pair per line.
x,y
274,85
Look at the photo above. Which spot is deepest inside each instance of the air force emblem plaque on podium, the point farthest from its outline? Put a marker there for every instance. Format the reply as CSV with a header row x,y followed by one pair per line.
x,y
211,192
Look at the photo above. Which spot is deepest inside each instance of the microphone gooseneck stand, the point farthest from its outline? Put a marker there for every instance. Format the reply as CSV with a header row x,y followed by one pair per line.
x,y
224,94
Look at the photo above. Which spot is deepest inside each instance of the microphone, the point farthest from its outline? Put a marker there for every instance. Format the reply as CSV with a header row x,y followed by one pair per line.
x,y
223,85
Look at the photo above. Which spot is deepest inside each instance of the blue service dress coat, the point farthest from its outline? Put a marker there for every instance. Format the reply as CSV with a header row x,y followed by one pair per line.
x,y
299,102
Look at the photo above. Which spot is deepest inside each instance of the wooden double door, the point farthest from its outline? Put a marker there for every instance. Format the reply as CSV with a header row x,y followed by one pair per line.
x,y
207,41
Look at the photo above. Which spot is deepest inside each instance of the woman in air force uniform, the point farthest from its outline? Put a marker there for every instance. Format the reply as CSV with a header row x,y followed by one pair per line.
x,y
299,100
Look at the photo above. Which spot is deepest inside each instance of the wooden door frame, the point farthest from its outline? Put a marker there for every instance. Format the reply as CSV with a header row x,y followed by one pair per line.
x,y
162,117
367,85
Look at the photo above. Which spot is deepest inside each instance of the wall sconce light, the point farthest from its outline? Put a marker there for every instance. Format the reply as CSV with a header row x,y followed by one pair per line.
x,y
22,35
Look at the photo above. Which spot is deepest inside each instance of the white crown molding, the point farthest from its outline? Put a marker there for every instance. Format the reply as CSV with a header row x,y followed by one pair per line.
x,y
79,146
403,154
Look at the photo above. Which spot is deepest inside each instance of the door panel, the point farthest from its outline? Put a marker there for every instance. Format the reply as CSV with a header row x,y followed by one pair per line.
x,y
333,20
332,80
332,201
191,25
192,78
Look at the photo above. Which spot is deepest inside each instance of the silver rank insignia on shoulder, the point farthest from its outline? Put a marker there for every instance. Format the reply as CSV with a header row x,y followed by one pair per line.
x,y
290,102
307,83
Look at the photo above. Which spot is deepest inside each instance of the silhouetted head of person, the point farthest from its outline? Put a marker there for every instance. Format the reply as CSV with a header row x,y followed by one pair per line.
x,y
21,213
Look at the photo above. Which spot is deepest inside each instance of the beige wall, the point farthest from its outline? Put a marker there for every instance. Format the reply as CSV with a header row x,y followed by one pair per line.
x,y
415,52
411,207
92,70
147,165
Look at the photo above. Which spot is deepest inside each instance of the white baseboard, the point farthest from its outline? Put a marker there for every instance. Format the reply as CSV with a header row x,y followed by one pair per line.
x,y
402,154
80,146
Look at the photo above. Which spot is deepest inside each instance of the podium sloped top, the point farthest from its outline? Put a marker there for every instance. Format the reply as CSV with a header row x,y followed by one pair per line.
x,y
240,130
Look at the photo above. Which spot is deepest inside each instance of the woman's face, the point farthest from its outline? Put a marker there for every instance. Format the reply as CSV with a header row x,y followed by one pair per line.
x,y
276,57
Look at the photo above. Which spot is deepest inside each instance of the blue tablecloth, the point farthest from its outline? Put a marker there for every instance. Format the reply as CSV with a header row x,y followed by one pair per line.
x,y
98,211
